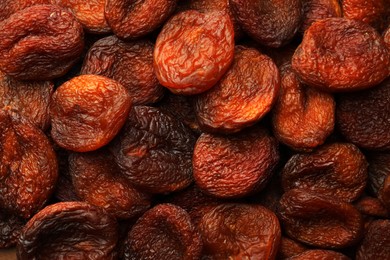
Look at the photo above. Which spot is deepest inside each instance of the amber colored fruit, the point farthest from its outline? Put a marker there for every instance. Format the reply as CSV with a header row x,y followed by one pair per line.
x,y
338,170
320,255
154,151
87,112
372,12
303,117
372,207
240,231
235,165
376,242
386,37
193,51
364,117
379,176
98,180
40,42
289,248
337,54
315,10
319,220
243,96
9,7
10,227
272,23
69,230
131,19
129,63
164,232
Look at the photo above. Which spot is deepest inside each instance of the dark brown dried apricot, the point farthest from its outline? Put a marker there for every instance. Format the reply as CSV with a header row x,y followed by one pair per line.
x,y
376,242
379,176
193,51
164,232
338,170
235,165
243,96
240,231
289,248
372,12
9,7
129,63
87,112
69,230
320,255
372,207
337,54
40,42
155,150
10,227
314,10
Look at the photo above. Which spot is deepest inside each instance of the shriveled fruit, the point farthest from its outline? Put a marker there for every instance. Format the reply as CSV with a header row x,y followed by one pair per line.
x,y
372,207
376,242
155,150
320,255
40,42
319,220
235,165
130,63
338,170
164,232
337,54
303,117
379,176
243,96
193,51
270,22
372,12
69,230
240,231
28,170
9,7
87,112
315,10
131,19
10,227
289,248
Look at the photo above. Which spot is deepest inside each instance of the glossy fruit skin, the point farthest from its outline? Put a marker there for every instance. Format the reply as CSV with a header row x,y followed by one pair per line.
x,y
41,42
317,254
69,230
9,7
315,10
10,227
339,55
375,244
372,12
87,112
182,61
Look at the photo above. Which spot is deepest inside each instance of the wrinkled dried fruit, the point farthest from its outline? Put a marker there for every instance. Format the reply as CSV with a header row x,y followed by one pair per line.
x,y
243,96
320,255
164,232
69,230
129,63
376,243
338,170
154,151
379,176
10,227
87,112
319,220
372,207
289,248
315,10
338,54
234,165
193,51
9,7
372,12
39,43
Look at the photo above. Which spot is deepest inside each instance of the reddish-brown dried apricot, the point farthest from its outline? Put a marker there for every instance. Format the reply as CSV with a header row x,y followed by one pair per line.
x,y
338,54
39,43
69,230
129,63
289,248
234,165
240,231
193,51
155,150
379,176
243,96
87,112
338,170
372,207
314,10
320,255
270,22
372,12
319,220
131,19
164,232
10,227
303,117
376,242
9,7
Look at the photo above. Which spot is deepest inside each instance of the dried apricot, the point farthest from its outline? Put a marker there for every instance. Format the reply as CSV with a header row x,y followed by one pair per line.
x,y
10,227
9,7
386,37
320,255
372,207
315,10
376,242
372,12
289,248
379,176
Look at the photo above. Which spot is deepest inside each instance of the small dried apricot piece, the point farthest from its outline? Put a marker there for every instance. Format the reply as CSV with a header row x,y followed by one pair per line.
x,y
379,176
10,228
314,10
386,37
9,7
320,255
376,242
372,12
372,207
289,248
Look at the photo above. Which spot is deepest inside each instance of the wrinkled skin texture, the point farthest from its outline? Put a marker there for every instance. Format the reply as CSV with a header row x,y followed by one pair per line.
x,y
319,220
243,96
193,51
375,244
87,112
272,23
320,255
289,248
69,230
164,232
240,231
9,7
303,117
315,10
98,181
130,19
28,167
338,170
41,42
364,117
10,227
338,54
155,150
372,12
129,63
379,176
372,207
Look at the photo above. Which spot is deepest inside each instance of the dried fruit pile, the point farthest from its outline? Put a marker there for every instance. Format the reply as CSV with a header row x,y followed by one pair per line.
x,y
195,129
